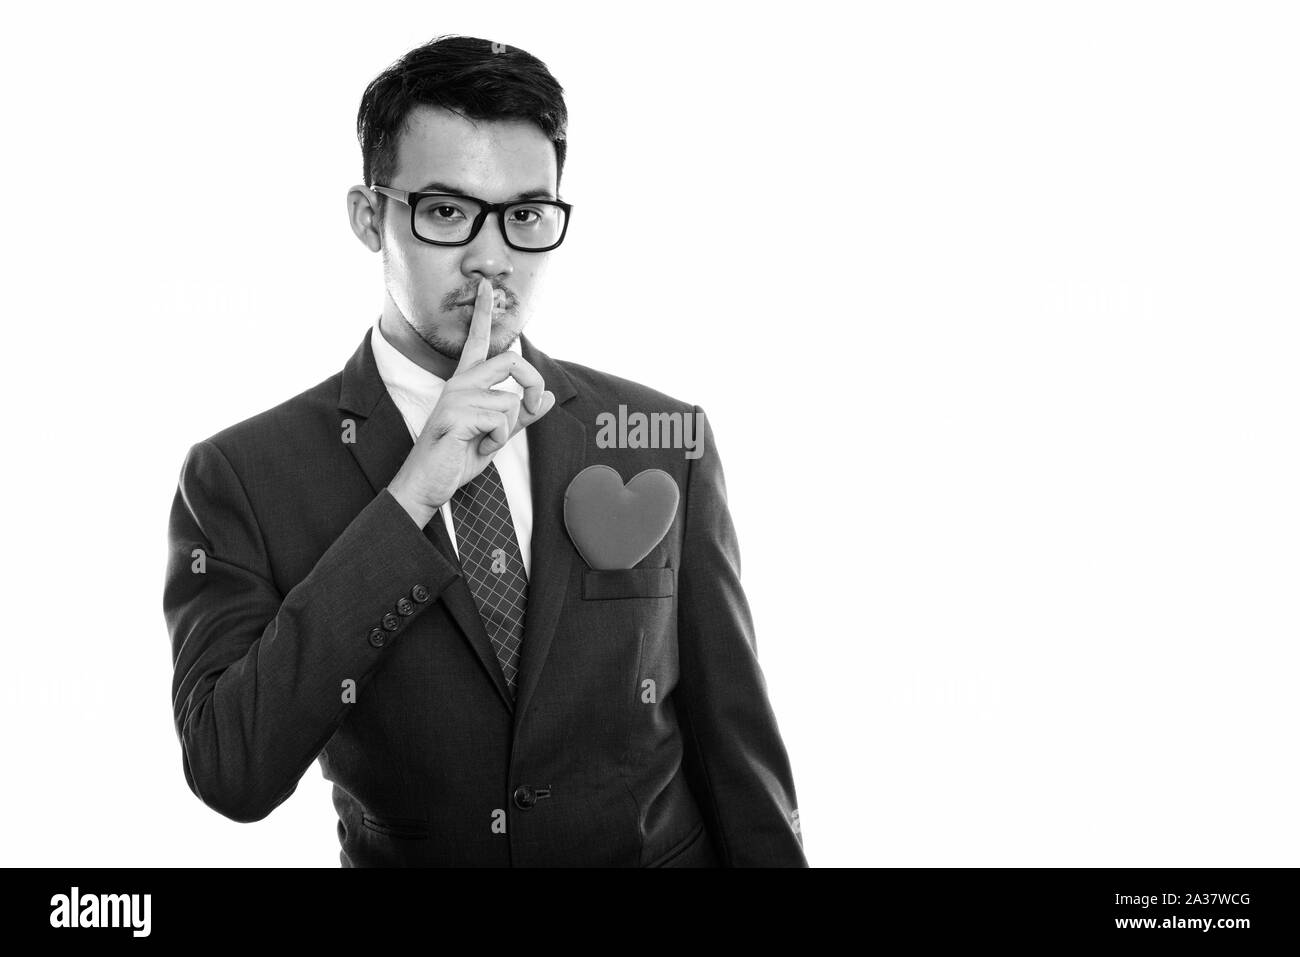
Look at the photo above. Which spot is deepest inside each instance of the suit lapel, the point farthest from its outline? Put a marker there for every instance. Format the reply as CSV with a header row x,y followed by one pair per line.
x,y
557,444
382,442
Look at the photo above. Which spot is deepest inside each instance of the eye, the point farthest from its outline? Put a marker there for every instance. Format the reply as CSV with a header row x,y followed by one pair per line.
x,y
520,216
441,210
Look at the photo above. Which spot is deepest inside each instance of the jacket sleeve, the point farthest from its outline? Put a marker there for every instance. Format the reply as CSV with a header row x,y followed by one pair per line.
x,y
258,676
735,761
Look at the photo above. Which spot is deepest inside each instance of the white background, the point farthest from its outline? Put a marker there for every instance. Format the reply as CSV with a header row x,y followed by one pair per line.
x,y
992,307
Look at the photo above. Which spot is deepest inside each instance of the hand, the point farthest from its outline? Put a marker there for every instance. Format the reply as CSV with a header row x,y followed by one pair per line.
x,y
471,422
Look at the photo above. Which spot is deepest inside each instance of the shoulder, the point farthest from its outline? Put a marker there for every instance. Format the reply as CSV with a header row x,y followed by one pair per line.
x,y
631,425
294,425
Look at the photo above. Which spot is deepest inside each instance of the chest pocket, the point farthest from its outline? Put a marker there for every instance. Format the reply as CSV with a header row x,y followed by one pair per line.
x,y
614,583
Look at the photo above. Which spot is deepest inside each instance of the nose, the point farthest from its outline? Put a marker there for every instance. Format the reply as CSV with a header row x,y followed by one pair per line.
x,y
488,255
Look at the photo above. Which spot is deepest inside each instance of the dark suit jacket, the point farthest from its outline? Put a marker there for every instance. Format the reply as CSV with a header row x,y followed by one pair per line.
x,y
287,558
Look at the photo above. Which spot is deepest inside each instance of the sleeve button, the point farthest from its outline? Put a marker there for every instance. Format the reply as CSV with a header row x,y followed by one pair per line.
x,y
377,637
389,622
420,594
405,607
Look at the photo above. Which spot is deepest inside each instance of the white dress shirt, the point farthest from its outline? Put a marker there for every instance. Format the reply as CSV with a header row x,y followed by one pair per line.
x,y
415,391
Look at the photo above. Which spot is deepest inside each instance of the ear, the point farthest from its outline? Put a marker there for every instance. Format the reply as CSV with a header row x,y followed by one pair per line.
x,y
363,210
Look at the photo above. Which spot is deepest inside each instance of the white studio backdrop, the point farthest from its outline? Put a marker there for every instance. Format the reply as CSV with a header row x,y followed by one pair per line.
x,y
992,307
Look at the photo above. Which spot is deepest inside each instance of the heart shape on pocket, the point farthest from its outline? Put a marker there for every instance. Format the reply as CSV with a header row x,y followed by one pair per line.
x,y
615,525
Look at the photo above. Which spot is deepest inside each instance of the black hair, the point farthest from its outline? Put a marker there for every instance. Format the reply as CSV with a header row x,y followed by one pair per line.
x,y
478,79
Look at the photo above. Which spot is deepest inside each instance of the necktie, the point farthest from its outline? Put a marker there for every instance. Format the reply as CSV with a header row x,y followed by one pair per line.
x,y
490,558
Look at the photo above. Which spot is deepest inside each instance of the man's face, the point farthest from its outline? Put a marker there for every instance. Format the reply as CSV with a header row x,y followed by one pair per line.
x,y
434,286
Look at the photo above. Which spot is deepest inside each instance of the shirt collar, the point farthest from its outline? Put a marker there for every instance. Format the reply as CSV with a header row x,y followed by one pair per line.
x,y
399,372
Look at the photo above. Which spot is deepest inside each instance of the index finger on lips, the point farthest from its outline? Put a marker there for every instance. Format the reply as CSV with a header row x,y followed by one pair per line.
x,y
480,329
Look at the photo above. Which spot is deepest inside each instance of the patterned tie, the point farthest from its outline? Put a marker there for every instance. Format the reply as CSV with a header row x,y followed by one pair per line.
x,y
490,558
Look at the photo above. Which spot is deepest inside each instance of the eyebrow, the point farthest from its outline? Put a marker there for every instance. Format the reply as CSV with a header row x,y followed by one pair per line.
x,y
436,187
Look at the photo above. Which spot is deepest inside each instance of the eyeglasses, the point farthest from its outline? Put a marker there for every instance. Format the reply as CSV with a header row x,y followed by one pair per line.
x,y
445,219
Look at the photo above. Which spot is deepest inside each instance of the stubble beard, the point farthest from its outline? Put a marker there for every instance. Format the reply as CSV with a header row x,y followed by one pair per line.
x,y
452,349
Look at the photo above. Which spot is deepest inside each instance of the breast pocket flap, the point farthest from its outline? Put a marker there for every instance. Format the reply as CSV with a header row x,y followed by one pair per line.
x,y
603,584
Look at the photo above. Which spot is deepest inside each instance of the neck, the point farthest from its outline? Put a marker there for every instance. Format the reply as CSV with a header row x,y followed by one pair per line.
x,y
399,333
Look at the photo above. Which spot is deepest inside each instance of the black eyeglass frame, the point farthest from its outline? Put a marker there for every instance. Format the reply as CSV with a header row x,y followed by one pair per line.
x,y
412,199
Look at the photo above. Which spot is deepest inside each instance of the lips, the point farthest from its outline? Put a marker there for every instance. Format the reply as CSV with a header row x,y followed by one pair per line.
x,y
498,301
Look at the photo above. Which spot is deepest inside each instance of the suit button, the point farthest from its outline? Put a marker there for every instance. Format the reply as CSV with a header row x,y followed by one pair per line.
x,y
524,797
377,637
389,622
420,594
405,606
